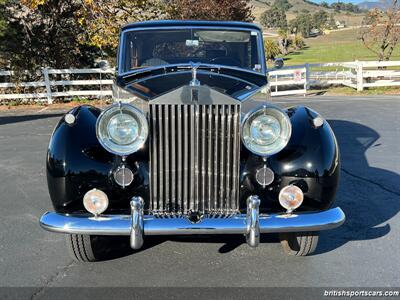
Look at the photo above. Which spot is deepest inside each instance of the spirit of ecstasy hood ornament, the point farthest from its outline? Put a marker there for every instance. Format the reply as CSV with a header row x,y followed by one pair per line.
x,y
194,81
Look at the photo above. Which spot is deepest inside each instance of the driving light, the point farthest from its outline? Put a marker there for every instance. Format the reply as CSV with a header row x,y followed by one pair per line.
x,y
95,201
122,129
266,131
291,197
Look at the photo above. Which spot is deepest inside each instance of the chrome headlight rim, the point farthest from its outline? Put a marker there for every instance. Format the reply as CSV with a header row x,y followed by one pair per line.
x,y
282,140
102,129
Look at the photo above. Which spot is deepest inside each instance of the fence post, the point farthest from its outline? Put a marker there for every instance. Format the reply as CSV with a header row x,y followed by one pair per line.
x,y
307,86
360,77
48,86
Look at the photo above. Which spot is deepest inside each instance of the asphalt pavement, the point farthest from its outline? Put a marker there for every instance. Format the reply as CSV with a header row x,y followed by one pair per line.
x,y
363,252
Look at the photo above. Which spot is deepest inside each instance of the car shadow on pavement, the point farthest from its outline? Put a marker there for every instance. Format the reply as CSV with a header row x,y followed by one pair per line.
x,y
369,196
114,247
24,118
365,194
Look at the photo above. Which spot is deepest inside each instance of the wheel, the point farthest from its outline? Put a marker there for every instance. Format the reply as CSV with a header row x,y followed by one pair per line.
x,y
80,247
299,243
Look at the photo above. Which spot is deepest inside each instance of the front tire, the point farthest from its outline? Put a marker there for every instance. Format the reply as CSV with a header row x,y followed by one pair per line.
x,y
299,243
80,247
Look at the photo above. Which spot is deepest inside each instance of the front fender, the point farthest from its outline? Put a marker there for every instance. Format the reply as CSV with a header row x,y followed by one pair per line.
x,y
311,161
76,163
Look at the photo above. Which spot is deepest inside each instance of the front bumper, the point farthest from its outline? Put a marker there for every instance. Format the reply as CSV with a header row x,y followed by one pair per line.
x,y
138,225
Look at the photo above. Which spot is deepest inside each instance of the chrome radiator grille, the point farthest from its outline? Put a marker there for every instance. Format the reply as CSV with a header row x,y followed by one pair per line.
x,y
194,158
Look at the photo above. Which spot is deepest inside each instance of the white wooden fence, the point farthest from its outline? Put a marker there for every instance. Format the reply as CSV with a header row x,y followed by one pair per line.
x,y
46,89
358,75
285,81
295,77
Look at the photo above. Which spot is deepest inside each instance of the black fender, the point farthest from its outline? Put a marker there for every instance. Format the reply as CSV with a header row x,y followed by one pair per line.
x,y
311,161
76,163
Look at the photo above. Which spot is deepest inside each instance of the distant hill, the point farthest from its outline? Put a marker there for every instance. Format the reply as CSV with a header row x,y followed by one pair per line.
x,y
297,5
350,19
381,4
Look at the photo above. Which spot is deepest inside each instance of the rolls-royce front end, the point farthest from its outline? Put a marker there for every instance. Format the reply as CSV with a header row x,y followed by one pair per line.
x,y
187,149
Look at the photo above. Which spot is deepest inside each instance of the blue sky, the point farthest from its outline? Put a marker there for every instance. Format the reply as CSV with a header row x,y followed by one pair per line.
x,y
346,1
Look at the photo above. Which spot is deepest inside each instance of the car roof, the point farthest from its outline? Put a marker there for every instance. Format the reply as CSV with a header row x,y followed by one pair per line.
x,y
189,23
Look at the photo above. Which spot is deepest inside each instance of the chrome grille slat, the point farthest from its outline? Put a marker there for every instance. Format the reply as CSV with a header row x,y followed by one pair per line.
x,y
235,150
216,115
221,160
167,195
210,157
192,166
228,157
194,158
186,159
173,155
160,159
179,156
203,157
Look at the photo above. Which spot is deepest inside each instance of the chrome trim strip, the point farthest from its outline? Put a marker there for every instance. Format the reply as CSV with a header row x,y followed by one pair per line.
x,y
121,224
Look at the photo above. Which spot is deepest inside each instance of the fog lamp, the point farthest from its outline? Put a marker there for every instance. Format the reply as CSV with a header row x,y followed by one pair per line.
x,y
123,176
291,197
95,201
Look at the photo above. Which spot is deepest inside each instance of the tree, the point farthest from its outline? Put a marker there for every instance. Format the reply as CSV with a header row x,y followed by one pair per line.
x,y
42,33
324,4
271,49
283,41
302,24
274,18
283,5
229,10
64,34
320,19
380,32
298,42
102,19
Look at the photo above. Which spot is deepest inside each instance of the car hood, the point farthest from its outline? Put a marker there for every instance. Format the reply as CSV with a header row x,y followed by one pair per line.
x,y
149,83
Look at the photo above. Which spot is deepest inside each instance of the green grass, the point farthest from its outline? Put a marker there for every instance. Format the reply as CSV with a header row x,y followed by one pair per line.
x,y
334,47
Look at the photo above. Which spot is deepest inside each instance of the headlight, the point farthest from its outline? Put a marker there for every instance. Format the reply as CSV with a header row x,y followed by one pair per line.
x,y
266,131
122,129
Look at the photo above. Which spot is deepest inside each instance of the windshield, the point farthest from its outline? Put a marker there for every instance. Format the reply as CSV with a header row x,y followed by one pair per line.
x,y
236,48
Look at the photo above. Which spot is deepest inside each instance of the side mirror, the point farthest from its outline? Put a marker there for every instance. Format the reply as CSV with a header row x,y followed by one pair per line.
x,y
279,63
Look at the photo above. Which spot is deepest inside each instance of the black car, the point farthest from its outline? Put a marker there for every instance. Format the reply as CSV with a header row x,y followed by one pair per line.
x,y
186,148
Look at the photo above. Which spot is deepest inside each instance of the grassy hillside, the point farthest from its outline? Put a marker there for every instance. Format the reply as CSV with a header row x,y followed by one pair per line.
x,y
259,6
334,47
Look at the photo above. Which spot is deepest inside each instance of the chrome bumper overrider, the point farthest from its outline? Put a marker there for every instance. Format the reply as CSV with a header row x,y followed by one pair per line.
x,y
138,225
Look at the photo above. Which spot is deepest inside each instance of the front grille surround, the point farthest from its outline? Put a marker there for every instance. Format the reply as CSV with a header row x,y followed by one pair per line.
x,y
194,158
